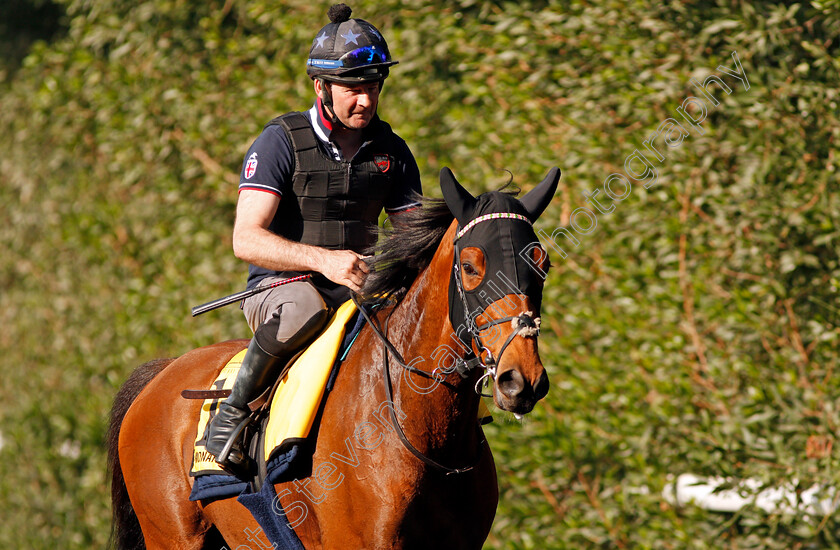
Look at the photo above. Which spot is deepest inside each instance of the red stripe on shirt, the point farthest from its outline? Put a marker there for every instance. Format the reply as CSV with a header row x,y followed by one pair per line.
x,y
261,189
324,120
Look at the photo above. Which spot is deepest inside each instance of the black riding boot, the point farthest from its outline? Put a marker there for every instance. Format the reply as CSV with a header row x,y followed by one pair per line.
x,y
259,368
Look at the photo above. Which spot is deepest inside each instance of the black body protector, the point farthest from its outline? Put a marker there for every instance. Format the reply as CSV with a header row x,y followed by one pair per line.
x,y
336,204
501,227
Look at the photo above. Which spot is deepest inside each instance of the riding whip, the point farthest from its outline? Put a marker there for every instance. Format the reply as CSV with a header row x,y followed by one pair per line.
x,y
203,308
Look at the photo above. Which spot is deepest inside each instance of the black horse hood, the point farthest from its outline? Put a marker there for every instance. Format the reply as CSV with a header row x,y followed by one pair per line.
x,y
501,227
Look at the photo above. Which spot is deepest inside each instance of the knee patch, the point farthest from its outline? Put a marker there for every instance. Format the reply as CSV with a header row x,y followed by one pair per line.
x,y
266,334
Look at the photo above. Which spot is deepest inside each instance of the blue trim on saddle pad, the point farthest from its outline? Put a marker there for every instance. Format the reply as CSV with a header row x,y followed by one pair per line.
x,y
268,511
220,486
217,486
349,340
281,463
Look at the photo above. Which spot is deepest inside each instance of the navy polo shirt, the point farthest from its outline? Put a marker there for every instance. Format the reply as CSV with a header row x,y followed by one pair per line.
x,y
269,166
269,163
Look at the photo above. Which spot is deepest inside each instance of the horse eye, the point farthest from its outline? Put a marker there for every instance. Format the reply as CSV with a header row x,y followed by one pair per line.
x,y
469,269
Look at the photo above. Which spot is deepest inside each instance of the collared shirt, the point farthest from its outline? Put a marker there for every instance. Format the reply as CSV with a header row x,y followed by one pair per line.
x,y
269,167
269,162
323,129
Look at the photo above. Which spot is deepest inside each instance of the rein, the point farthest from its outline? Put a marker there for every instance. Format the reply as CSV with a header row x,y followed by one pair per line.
x,y
389,391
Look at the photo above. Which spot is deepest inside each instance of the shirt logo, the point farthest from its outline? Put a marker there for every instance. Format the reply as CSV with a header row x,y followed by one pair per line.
x,y
383,162
251,166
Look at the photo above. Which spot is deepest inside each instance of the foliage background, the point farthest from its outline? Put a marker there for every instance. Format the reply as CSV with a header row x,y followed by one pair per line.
x,y
696,330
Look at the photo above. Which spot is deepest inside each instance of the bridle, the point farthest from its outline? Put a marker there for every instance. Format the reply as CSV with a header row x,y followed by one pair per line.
x,y
523,325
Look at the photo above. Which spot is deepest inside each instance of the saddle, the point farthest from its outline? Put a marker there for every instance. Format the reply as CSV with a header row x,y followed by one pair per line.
x,y
284,414
279,436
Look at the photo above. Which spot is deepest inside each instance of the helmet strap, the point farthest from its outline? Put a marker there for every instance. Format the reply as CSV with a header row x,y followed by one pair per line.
x,y
327,102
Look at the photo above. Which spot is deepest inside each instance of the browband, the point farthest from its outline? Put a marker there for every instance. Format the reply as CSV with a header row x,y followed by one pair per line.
x,y
493,216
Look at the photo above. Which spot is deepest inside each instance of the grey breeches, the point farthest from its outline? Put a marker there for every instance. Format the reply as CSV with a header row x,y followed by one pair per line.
x,y
286,317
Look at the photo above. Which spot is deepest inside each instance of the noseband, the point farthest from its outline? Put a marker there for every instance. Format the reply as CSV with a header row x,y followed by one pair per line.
x,y
523,325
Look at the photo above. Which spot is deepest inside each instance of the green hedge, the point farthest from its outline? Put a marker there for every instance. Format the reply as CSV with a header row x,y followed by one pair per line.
x,y
695,329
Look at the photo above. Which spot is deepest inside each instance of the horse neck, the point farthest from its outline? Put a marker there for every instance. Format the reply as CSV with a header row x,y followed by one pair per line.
x,y
443,415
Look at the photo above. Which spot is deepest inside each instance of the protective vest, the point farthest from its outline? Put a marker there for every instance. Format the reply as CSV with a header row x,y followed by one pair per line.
x,y
336,204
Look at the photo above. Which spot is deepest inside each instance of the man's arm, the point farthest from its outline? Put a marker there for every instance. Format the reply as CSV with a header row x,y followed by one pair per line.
x,y
255,244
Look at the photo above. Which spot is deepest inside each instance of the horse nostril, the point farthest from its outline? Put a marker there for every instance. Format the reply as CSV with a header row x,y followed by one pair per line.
x,y
542,386
510,383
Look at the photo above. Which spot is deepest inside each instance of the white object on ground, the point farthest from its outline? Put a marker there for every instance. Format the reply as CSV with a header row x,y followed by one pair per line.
x,y
705,492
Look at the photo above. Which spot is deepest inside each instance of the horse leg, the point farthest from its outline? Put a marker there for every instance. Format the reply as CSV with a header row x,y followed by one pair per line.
x,y
240,529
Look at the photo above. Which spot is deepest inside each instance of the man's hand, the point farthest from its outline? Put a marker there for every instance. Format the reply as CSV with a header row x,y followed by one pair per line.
x,y
345,267
254,243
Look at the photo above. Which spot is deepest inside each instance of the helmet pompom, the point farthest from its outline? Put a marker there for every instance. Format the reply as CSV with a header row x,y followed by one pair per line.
x,y
339,13
348,50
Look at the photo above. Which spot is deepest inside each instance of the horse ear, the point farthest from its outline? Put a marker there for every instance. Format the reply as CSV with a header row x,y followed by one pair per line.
x,y
458,199
537,199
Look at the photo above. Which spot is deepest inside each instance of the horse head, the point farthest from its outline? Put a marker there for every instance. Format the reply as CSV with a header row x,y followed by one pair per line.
x,y
495,290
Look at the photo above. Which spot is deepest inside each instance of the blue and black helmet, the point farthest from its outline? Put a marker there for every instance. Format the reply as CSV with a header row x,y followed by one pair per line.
x,y
348,51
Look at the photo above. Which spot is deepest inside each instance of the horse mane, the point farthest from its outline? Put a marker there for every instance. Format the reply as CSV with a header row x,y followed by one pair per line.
x,y
406,247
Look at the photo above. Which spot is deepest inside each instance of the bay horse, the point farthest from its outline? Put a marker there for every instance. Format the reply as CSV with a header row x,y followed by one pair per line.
x,y
417,472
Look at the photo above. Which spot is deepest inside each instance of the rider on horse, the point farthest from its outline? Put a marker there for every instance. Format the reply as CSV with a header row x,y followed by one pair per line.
x,y
312,188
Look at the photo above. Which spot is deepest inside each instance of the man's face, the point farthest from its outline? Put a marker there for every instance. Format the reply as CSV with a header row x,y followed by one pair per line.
x,y
355,104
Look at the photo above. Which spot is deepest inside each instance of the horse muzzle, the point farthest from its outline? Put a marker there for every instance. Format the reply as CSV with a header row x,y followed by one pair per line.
x,y
515,393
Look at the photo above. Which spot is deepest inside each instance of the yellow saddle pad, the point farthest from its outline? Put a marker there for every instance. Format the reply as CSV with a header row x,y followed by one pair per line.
x,y
295,403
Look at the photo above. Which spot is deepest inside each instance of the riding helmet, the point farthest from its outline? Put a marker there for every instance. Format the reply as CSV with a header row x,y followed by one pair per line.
x,y
348,51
